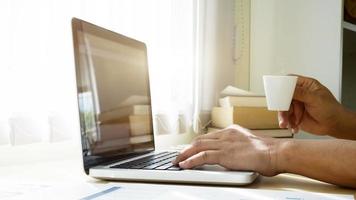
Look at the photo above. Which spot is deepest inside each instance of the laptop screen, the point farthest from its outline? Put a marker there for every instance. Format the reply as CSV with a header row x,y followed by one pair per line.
x,y
113,94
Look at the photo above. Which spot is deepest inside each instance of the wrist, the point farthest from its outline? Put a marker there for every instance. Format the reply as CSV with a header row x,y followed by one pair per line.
x,y
274,155
283,151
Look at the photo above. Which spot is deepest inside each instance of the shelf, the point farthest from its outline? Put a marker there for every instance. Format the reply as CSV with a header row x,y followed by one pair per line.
x,y
349,26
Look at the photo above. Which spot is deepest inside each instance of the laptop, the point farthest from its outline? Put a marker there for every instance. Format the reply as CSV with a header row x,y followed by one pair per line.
x,y
114,101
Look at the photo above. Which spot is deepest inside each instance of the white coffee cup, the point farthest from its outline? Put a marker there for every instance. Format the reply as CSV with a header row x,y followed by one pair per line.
x,y
279,91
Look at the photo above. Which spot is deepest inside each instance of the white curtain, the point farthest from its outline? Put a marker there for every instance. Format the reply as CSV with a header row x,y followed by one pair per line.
x,y
37,81
215,67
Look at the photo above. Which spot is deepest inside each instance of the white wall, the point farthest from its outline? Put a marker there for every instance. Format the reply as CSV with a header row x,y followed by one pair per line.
x,y
296,36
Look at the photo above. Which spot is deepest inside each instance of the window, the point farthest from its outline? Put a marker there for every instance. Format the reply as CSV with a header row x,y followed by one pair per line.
x,y
37,75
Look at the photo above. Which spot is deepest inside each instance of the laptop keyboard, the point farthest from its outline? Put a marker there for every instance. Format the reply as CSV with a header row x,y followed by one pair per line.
x,y
159,161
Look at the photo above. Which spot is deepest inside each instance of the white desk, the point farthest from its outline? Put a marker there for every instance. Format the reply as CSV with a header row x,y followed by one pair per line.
x,y
69,171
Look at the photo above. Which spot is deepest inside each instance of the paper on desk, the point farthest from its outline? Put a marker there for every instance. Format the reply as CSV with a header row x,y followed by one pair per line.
x,y
139,191
181,192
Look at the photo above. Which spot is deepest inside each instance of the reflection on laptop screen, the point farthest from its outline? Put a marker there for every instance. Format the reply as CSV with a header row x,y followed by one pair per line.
x,y
113,92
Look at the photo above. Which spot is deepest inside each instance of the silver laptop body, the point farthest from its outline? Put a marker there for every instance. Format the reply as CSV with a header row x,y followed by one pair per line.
x,y
114,103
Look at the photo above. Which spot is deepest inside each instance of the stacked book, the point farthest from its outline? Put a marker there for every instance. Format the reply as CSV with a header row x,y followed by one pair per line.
x,y
249,111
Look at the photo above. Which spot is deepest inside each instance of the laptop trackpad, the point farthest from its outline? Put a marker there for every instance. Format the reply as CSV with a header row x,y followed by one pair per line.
x,y
211,168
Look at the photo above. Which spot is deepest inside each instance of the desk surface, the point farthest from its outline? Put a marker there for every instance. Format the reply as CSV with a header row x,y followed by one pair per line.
x,y
70,171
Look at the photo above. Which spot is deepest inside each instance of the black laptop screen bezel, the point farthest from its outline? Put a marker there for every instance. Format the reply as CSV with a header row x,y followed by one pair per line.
x,y
79,25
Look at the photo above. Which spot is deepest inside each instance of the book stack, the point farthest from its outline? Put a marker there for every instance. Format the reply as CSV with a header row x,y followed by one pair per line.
x,y
250,111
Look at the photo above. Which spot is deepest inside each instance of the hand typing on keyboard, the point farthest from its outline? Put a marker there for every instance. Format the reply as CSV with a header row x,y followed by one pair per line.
x,y
234,148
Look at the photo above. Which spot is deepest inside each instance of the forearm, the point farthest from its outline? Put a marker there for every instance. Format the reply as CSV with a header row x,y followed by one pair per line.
x,y
332,161
345,128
